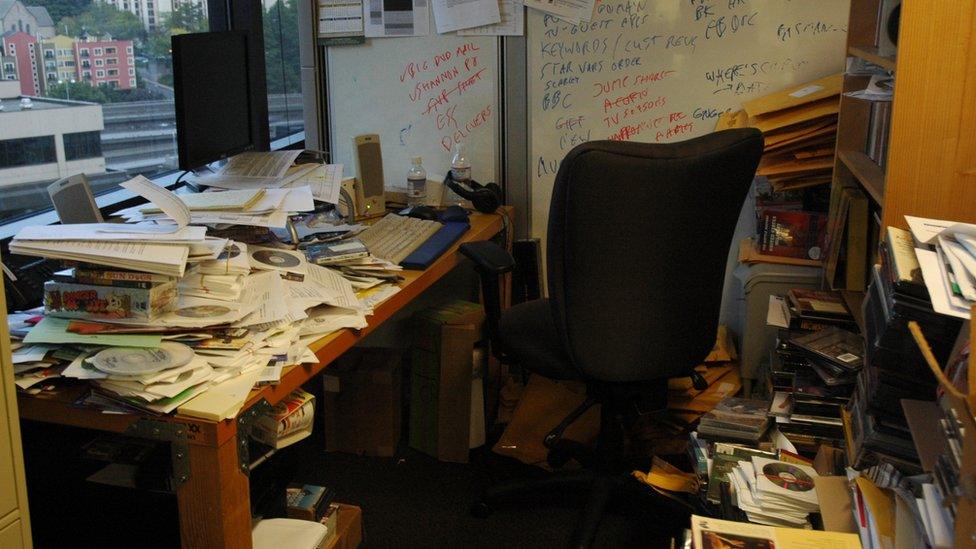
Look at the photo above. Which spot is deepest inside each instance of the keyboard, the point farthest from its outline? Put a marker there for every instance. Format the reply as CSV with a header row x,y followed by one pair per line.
x,y
395,236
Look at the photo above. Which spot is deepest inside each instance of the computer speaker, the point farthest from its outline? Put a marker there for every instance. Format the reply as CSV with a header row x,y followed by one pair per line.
x,y
369,167
73,200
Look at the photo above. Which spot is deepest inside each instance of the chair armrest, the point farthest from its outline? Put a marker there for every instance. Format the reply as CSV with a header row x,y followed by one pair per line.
x,y
490,258
491,261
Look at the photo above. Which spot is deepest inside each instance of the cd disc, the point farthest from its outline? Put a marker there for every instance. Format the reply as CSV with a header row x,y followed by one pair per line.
x,y
128,361
233,251
203,311
276,259
787,476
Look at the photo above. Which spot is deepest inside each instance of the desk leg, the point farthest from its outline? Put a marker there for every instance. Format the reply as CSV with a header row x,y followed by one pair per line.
x,y
215,507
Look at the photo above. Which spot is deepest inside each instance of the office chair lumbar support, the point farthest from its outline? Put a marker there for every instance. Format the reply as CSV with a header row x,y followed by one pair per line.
x,y
623,332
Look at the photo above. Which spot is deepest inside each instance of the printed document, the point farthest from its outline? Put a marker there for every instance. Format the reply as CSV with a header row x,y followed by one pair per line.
x,y
340,18
392,18
452,15
512,13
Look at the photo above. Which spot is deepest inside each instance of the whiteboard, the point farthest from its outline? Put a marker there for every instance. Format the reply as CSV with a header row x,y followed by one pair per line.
x,y
421,95
661,71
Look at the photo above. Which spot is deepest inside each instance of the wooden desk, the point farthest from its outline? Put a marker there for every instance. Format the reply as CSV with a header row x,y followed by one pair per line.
x,y
213,495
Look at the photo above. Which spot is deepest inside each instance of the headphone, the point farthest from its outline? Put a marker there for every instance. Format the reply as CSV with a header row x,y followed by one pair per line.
x,y
485,198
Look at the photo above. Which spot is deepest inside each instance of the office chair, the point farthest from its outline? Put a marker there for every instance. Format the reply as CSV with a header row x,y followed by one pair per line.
x,y
638,238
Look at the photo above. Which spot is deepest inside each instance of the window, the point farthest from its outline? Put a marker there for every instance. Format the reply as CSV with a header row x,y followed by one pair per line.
x,y
99,62
285,115
113,72
109,51
27,151
128,50
100,74
112,61
113,84
81,145
132,82
98,51
84,52
8,67
132,72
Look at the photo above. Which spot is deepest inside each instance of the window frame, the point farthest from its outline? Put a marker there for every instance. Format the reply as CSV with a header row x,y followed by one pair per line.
x,y
247,15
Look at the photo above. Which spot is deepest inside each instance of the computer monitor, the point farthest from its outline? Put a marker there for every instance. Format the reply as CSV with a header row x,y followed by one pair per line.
x,y
213,97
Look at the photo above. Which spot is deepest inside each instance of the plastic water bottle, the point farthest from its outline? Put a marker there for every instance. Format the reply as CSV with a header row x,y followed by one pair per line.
x,y
460,165
460,172
416,183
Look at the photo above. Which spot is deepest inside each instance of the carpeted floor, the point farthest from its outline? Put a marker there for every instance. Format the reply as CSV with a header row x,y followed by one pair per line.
x,y
416,501
410,501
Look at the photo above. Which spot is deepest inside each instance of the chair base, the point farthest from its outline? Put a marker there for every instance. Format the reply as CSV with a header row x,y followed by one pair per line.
x,y
600,488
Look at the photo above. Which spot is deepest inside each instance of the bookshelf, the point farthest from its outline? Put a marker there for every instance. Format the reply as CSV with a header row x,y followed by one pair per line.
x,y
931,139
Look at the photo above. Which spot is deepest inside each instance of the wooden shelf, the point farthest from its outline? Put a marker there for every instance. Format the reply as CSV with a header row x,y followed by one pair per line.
x,y
870,53
867,172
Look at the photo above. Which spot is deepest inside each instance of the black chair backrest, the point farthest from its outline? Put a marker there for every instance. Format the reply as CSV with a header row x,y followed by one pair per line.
x,y
639,235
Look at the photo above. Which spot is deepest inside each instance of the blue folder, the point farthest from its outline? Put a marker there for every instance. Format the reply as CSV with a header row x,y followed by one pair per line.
x,y
422,257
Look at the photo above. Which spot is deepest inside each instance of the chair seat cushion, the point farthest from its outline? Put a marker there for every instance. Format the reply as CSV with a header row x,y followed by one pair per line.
x,y
529,336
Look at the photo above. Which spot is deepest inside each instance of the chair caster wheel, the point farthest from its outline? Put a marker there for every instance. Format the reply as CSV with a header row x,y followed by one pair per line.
x,y
481,510
557,458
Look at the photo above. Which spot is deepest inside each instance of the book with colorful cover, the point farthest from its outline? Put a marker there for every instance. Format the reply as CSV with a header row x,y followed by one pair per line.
x,y
87,301
792,233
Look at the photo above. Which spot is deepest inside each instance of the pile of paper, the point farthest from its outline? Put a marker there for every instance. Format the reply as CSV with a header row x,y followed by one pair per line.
x,y
799,127
946,253
35,363
260,207
774,492
243,314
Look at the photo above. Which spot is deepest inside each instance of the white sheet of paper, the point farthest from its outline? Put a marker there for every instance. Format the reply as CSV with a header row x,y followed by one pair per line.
x,y
776,313
260,164
112,232
381,22
163,198
340,18
928,260
325,181
298,199
452,15
512,13
926,230
337,288
572,11
963,266
33,353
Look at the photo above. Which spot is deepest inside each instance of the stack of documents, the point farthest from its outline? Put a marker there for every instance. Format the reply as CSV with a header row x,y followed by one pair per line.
x,y
799,126
237,314
260,208
946,253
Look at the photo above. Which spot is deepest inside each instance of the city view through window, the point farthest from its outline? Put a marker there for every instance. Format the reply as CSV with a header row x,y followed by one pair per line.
x,y
86,87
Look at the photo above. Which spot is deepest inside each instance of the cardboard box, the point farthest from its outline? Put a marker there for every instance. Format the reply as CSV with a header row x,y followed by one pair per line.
x,y
440,379
362,400
350,532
